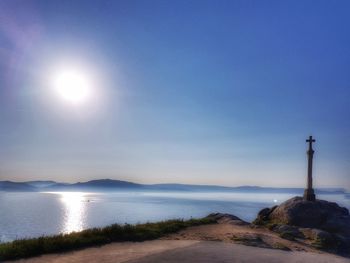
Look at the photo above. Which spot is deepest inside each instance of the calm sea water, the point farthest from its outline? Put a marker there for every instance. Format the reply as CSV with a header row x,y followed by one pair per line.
x,y
24,215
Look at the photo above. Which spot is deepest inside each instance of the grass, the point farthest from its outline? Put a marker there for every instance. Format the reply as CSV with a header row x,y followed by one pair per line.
x,y
93,237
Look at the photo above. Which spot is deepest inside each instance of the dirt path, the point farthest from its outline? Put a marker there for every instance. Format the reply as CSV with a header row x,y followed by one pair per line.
x,y
112,253
228,241
170,251
220,252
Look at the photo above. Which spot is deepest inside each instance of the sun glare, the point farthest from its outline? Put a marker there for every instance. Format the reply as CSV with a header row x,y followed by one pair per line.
x,y
72,85
74,204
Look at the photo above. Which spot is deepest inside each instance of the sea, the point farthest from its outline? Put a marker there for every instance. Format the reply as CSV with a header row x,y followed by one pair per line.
x,y
35,214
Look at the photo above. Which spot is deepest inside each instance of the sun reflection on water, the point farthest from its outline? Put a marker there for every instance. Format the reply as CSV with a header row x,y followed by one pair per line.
x,y
75,206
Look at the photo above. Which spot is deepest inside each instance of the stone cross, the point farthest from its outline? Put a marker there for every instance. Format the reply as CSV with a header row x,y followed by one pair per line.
x,y
309,194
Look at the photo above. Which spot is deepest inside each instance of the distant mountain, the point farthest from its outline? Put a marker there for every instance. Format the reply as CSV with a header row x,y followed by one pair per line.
x,y
104,184
16,187
245,189
117,185
108,183
201,188
188,187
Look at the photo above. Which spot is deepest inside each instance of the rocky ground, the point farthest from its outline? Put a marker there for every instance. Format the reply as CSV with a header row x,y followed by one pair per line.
x,y
233,230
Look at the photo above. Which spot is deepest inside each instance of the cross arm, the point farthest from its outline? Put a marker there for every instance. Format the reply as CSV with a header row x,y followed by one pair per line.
x,y
310,139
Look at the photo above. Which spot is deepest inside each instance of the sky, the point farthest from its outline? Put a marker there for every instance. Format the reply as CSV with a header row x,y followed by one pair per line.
x,y
200,92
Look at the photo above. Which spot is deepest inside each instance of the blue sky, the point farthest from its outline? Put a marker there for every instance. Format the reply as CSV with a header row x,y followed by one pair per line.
x,y
205,92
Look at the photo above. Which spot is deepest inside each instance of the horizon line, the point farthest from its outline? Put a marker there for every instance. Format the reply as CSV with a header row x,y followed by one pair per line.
x,y
189,184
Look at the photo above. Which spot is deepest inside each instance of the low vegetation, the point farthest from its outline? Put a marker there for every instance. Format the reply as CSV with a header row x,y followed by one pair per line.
x,y
92,237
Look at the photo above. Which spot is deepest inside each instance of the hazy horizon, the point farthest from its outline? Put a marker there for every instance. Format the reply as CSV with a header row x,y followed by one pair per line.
x,y
177,183
193,92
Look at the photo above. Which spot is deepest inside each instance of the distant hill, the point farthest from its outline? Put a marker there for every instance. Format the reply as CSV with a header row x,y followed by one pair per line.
x,y
107,183
117,185
242,189
16,187
104,184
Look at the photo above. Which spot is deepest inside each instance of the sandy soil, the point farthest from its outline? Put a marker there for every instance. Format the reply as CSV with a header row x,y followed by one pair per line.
x,y
232,232
228,241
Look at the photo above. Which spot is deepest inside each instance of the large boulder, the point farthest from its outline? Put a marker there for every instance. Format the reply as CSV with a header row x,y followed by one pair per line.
x,y
325,223
319,214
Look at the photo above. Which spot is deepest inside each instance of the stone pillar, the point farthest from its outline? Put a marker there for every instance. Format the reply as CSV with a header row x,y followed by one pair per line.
x,y
309,194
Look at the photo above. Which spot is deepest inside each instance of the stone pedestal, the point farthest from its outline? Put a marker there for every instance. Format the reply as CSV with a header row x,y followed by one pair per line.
x,y
309,195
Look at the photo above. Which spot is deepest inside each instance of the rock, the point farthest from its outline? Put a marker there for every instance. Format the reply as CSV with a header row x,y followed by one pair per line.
x,y
312,233
324,235
288,231
227,218
327,241
307,232
251,240
325,223
218,216
323,239
320,214
263,215
343,244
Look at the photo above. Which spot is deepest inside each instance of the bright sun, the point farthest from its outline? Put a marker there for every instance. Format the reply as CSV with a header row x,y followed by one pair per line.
x,y
72,85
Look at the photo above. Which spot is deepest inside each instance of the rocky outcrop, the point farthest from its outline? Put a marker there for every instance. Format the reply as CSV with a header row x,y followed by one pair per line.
x,y
325,223
320,214
227,218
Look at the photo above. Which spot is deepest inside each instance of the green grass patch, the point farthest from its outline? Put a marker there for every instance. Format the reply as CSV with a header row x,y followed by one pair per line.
x,y
92,237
